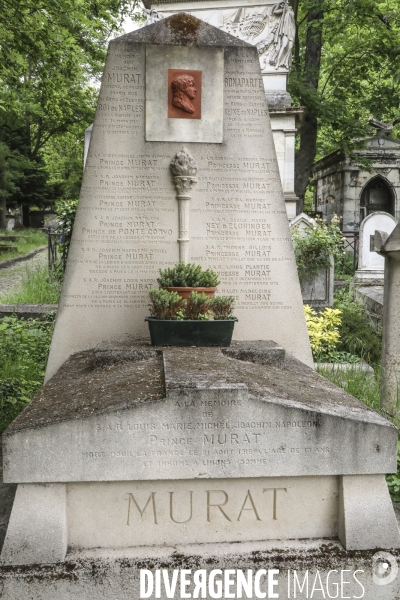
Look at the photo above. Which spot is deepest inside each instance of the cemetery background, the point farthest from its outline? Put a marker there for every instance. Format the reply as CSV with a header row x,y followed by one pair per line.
x,y
361,349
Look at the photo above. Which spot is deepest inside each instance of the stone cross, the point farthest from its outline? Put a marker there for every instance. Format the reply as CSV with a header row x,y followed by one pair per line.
x,y
388,246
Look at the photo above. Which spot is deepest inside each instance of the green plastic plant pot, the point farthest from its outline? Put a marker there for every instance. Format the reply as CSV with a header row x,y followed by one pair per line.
x,y
190,333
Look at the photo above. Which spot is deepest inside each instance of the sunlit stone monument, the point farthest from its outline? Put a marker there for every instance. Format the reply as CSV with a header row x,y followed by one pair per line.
x,y
128,221
190,458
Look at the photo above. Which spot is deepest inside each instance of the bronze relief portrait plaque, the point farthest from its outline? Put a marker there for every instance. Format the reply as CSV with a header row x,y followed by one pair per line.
x,y
184,94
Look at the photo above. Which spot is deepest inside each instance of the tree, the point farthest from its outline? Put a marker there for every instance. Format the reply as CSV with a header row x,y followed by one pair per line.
x,y
51,53
345,69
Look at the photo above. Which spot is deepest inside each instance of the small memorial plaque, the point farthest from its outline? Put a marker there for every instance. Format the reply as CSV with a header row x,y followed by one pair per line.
x,y
184,94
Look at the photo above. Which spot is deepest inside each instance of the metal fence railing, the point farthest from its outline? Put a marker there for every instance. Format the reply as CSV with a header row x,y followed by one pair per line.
x,y
55,249
351,244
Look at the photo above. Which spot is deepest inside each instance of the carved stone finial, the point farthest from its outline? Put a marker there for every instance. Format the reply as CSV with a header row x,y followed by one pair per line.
x,y
183,169
183,164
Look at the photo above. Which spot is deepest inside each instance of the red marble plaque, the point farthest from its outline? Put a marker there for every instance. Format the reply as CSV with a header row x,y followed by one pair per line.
x,y
184,94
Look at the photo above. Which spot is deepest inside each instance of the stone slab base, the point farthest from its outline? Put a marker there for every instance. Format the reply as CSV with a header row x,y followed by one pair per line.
x,y
321,568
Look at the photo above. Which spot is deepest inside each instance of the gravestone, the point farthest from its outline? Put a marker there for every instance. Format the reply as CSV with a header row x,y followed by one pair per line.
x,y
317,291
132,453
388,247
370,270
127,224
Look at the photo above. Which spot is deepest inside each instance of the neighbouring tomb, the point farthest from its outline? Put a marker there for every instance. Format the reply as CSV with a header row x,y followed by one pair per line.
x,y
370,270
345,188
316,291
128,221
388,246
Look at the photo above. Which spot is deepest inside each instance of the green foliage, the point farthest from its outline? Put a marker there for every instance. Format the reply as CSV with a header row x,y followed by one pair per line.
x,y
357,335
66,213
365,387
166,304
24,347
393,481
222,307
198,307
38,286
323,331
344,266
27,241
187,275
359,73
51,54
313,247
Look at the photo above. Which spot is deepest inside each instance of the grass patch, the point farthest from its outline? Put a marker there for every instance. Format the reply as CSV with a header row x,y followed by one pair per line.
x,y
24,347
26,241
36,287
363,386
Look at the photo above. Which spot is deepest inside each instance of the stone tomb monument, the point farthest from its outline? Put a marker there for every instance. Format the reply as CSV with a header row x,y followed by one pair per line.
x,y
152,455
316,291
371,266
221,204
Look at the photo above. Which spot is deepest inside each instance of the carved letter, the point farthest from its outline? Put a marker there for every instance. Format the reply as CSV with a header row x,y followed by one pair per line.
x,y
253,506
275,490
171,509
209,505
151,499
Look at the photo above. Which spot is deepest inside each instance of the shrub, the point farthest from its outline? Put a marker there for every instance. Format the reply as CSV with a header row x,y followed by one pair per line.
x,y
323,331
198,307
13,399
393,481
66,213
24,346
313,247
222,307
357,335
166,304
187,275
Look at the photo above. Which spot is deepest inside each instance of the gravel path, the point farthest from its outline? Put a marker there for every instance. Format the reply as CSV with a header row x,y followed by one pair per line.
x,y
11,277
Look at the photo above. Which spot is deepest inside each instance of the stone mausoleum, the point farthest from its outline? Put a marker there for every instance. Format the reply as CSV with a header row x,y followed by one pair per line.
x,y
270,26
346,188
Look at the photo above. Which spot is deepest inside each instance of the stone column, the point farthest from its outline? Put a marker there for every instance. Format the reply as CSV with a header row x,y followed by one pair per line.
x,y
183,169
389,247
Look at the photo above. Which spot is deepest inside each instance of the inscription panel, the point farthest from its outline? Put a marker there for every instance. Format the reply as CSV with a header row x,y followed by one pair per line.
x,y
206,436
120,515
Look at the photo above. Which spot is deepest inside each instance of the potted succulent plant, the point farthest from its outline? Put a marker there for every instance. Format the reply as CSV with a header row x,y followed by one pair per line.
x,y
177,321
185,278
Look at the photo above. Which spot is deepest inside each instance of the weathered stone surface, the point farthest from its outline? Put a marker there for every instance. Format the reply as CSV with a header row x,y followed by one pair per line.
x,y
363,500
7,493
27,311
37,530
127,224
388,246
218,417
91,575
371,265
129,514
262,353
